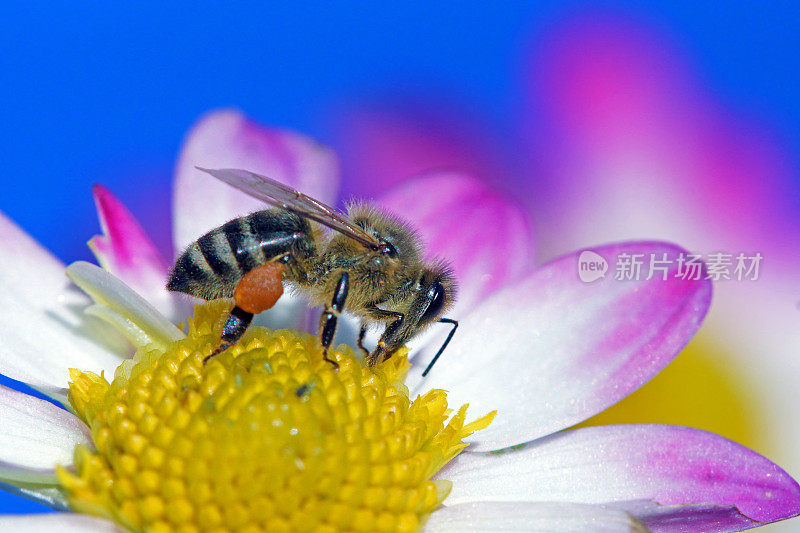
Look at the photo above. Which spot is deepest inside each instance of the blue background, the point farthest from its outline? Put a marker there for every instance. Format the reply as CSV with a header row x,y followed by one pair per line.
x,y
94,92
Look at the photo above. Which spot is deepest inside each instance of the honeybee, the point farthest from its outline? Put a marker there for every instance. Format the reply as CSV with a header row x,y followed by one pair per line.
x,y
370,266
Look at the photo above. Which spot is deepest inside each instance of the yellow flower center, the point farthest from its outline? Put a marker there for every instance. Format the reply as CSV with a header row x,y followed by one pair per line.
x,y
266,436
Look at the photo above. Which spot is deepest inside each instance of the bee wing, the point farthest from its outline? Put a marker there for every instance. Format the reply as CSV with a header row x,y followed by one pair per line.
x,y
279,195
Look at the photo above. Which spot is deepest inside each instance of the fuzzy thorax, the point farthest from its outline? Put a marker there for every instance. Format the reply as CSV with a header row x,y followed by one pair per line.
x,y
266,436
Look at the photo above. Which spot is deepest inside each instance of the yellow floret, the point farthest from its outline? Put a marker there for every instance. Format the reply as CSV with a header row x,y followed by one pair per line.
x,y
266,436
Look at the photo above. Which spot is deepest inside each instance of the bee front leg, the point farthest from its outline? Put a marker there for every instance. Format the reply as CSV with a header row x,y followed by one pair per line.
x,y
360,342
329,318
390,340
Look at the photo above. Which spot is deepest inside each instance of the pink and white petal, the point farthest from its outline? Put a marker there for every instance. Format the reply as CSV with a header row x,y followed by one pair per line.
x,y
125,250
61,522
383,145
551,351
35,436
487,238
42,325
545,517
639,146
682,518
623,465
228,139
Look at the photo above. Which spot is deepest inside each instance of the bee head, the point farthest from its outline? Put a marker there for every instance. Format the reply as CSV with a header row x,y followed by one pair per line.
x,y
437,293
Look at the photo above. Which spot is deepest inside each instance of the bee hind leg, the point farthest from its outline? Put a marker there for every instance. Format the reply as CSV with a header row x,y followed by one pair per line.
x,y
329,318
257,291
235,325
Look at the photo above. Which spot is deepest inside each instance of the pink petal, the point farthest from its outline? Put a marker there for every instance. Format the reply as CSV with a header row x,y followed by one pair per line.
x,y
551,517
487,238
682,518
126,251
381,146
42,326
637,145
624,465
551,351
228,139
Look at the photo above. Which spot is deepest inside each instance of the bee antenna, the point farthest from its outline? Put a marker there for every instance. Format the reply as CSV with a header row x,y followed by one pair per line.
x,y
444,345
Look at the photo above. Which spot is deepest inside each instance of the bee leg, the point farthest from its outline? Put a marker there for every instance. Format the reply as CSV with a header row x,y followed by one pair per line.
x,y
327,322
360,342
390,341
257,291
235,325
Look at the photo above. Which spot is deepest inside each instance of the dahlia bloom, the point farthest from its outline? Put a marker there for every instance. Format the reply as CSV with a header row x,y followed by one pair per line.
x,y
169,443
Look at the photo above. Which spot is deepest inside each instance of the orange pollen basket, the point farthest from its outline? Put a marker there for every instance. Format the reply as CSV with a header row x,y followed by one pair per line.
x,y
260,288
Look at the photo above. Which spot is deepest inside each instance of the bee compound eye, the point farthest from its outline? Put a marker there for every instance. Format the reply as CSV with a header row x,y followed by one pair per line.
x,y
436,297
388,248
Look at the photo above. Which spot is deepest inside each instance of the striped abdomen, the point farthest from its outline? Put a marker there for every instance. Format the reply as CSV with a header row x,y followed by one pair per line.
x,y
213,265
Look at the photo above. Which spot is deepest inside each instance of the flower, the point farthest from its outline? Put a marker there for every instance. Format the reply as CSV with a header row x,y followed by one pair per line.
x,y
537,345
267,435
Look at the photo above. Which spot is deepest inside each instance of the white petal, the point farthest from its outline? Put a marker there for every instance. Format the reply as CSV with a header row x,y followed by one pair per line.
x,y
35,436
117,304
545,517
42,326
228,139
61,522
